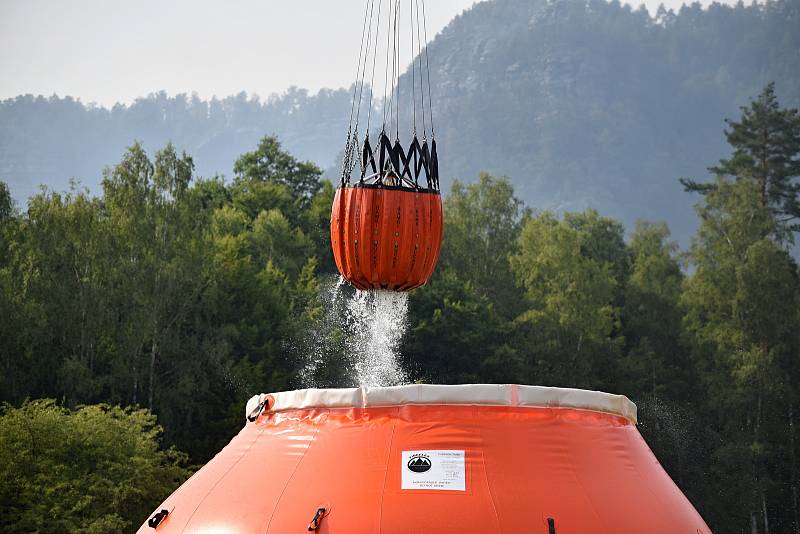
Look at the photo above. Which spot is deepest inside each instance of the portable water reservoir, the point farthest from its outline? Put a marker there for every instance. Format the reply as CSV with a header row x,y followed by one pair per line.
x,y
433,459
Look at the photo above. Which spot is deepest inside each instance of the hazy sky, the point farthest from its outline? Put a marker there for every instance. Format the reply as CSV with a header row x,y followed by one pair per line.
x,y
106,51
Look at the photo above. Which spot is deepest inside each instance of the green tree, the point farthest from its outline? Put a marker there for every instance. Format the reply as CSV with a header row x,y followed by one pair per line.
x,y
603,241
269,164
457,336
270,178
655,369
461,318
6,203
482,224
162,291
651,317
316,225
741,313
93,469
766,151
58,265
570,314
158,245
16,369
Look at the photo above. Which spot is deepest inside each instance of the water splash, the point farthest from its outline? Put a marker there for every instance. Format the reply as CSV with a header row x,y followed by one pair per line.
x,y
377,321
356,340
322,343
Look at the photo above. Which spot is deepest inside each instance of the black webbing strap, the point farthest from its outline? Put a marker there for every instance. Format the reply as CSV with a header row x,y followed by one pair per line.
x,y
367,158
400,161
386,151
424,162
411,167
405,165
434,165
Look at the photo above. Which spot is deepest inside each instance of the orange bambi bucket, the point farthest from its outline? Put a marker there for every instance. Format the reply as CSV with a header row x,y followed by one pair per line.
x,y
432,459
386,237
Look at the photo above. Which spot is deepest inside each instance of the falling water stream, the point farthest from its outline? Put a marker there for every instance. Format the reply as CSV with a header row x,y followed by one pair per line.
x,y
377,321
365,328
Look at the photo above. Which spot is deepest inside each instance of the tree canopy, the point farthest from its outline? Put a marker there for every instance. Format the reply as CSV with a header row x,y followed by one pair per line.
x,y
94,469
178,297
766,143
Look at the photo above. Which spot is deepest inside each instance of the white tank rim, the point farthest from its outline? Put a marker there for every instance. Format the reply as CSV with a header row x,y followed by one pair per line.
x,y
512,395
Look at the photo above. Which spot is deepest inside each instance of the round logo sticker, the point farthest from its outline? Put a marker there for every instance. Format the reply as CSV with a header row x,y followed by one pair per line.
x,y
419,463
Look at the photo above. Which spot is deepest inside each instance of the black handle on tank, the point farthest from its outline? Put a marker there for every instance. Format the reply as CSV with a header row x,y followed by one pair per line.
x,y
156,520
314,525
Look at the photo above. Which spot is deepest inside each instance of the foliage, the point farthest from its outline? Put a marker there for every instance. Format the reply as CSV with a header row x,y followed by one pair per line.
x,y
462,316
163,291
92,469
741,314
483,223
656,359
457,334
188,295
269,164
6,202
570,286
766,142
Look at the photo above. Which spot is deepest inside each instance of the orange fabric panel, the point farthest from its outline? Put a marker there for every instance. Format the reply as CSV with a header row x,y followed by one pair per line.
x,y
591,472
386,238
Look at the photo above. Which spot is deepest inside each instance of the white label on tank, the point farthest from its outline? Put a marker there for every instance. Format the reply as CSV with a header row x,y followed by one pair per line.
x,y
433,470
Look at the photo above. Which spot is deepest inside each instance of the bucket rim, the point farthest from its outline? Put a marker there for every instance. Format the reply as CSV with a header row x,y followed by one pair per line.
x,y
511,395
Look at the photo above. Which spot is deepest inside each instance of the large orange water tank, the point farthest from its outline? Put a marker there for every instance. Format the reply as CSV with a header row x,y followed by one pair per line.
x,y
431,459
386,237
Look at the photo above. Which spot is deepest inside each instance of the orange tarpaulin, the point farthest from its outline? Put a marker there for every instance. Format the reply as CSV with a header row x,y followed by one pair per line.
x,y
435,461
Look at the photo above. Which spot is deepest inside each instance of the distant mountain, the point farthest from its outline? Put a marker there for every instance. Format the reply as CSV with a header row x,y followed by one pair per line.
x,y
591,103
50,140
581,102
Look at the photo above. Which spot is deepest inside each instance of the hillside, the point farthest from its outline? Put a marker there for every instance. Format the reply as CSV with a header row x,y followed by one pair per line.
x,y
581,103
48,140
595,104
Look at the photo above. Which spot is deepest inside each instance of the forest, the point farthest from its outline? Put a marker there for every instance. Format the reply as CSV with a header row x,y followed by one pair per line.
x,y
136,323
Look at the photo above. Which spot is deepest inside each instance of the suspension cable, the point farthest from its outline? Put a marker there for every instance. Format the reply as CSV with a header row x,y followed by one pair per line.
x,y
413,71
393,158
421,77
349,161
374,57
358,65
386,69
398,22
428,67
364,68
352,139
394,98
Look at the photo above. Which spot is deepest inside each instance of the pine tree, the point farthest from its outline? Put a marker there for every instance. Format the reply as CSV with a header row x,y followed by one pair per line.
x,y
766,143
